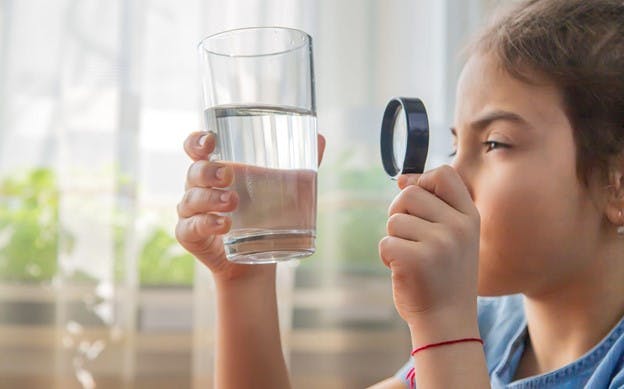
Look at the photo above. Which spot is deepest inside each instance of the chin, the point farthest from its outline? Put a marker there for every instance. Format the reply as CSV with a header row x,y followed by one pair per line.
x,y
492,283
495,290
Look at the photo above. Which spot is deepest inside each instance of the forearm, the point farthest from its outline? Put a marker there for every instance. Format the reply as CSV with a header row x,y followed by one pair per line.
x,y
459,365
248,347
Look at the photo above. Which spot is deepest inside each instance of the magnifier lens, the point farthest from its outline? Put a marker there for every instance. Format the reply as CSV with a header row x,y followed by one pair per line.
x,y
399,138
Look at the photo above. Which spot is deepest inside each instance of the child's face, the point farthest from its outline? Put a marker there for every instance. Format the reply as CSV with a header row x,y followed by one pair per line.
x,y
539,224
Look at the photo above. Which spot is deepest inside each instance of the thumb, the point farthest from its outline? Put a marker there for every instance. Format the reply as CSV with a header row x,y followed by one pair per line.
x,y
321,148
406,180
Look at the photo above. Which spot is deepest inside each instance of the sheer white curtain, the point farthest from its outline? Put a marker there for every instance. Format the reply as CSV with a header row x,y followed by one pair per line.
x,y
97,96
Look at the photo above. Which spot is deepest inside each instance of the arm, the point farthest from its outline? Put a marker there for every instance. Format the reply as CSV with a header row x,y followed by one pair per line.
x,y
248,348
450,367
432,249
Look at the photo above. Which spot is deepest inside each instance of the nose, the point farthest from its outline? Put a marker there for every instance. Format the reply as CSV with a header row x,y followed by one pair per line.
x,y
462,167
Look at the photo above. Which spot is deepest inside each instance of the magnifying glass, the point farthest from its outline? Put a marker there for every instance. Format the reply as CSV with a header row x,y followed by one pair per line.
x,y
404,136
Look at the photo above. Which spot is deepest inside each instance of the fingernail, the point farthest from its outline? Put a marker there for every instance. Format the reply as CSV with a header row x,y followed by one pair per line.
x,y
202,140
401,181
225,197
220,221
220,173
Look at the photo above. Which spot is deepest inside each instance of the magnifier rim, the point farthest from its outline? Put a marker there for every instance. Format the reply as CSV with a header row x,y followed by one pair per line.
x,y
417,142
387,136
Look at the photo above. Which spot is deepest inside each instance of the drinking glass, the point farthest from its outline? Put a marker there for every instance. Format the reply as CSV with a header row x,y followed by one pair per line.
x,y
258,88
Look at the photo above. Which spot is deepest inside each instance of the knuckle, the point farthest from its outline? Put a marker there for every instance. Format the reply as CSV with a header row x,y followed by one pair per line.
x,y
178,231
428,175
392,225
395,206
182,231
202,171
441,174
456,233
183,205
385,244
446,169
198,225
440,242
466,226
190,173
410,195
188,199
382,244
411,192
212,196
197,172
392,207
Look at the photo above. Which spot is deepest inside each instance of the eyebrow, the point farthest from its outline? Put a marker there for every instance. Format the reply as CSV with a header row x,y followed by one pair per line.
x,y
497,115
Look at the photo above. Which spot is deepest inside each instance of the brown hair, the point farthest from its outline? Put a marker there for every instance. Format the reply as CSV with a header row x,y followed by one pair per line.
x,y
578,45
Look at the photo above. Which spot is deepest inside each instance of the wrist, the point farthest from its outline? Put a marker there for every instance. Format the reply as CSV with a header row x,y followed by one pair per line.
x,y
442,326
240,298
254,277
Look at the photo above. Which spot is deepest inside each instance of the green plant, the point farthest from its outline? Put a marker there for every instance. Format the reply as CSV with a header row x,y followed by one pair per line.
x,y
30,232
163,261
29,226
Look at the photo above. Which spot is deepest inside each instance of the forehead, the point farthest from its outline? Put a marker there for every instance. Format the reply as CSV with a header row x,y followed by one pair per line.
x,y
485,85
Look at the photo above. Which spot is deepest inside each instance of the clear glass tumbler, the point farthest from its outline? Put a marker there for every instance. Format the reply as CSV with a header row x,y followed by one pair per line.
x,y
259,99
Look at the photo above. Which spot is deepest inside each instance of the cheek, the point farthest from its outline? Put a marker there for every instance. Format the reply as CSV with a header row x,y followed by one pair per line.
x,y
526,228
513,217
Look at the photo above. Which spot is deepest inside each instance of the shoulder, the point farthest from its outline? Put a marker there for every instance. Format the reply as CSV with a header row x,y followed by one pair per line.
x,y
609,370
501,320
500,313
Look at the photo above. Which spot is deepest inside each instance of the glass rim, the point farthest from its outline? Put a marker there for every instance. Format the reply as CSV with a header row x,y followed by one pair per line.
x,y
202,43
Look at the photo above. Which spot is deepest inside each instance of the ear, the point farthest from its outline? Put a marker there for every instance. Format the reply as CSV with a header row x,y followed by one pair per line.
x,y
615,198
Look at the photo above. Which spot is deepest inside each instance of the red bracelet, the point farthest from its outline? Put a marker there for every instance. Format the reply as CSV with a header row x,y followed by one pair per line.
x,y
432,345
411,374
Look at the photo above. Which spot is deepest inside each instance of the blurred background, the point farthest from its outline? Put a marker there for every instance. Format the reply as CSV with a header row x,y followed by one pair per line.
x,y
96,98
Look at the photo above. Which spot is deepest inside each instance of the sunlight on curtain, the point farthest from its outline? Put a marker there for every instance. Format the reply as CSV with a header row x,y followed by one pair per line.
x,y
96,98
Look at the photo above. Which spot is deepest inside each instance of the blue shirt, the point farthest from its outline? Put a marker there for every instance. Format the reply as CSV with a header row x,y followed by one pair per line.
x,y
503,328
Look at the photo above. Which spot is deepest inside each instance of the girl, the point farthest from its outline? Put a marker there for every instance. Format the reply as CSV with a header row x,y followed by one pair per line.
x,y
531,210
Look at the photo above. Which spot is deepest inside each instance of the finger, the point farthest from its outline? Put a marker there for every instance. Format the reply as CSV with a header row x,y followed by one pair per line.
x,y
446,184
417,201
393,249
321,148
201,200
405,180
199,145
408,227
207,174
197,229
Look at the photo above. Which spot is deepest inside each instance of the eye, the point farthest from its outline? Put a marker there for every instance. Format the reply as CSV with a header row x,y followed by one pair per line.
x,y
493,145
454,134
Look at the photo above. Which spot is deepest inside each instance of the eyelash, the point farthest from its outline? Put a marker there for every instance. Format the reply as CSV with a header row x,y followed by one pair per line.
x,y
491,145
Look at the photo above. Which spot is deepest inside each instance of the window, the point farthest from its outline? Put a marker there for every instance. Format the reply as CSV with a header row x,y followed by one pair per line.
x,y
96,98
